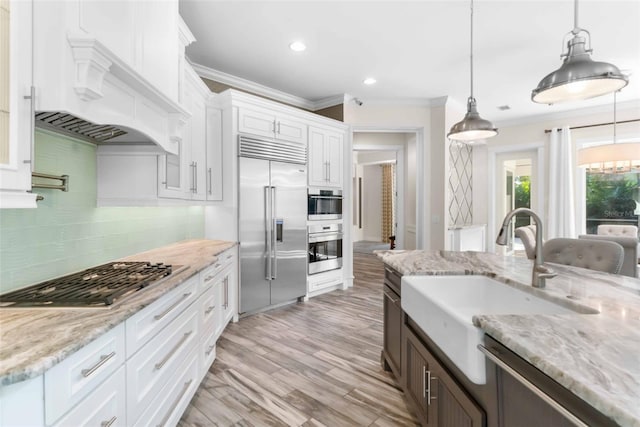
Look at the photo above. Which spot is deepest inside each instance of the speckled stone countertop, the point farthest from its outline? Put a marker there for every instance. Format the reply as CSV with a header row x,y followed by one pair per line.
x,y
34,340
596,356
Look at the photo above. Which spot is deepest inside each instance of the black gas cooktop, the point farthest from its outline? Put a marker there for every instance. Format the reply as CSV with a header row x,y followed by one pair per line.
x,y
100,286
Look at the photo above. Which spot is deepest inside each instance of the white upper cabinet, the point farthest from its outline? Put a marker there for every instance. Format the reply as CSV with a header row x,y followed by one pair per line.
x,y
214,153
325,157
16,103
267,124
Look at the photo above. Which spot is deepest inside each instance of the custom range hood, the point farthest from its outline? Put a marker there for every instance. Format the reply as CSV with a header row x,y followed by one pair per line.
x,y
105,86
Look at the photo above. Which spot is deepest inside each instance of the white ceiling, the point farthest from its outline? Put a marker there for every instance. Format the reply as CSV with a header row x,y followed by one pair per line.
x,y
417,50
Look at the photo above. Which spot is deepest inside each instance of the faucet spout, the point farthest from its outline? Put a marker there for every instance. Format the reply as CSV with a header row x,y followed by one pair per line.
x,y
540,272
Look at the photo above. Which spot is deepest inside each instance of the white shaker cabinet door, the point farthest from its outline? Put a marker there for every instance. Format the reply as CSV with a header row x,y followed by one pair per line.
x,y
333,156
16,105
214,154
256,122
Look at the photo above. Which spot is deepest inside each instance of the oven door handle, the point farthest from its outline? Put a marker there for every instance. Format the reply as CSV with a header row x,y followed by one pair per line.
x,y
325,197
324,237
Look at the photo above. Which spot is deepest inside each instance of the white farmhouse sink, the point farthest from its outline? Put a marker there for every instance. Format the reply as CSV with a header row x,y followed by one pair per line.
x,y
444,305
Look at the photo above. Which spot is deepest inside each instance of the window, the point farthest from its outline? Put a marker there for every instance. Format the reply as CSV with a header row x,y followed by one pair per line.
x,y
612,199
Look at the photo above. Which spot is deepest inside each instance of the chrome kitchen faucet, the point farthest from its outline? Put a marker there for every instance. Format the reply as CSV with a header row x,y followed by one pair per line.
x,y
540,271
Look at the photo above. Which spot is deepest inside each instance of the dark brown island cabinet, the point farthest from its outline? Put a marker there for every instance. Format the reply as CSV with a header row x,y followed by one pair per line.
x,y
516,394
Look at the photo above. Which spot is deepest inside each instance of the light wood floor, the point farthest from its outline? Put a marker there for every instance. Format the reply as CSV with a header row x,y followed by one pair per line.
x,y
315,363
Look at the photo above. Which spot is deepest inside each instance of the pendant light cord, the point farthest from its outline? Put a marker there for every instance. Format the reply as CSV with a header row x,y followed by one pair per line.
x,y
614,117
471,53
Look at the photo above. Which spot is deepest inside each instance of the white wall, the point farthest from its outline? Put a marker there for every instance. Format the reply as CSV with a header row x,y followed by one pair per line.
x,y
372,203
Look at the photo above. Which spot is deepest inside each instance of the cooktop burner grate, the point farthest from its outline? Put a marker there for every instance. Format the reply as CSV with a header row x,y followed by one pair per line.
x,y
99,286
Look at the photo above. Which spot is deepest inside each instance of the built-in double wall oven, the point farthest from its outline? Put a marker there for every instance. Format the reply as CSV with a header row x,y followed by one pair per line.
x,y
325,247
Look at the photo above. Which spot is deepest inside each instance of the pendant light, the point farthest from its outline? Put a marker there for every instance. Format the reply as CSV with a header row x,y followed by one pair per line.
x,y
611,158
579,77
472,127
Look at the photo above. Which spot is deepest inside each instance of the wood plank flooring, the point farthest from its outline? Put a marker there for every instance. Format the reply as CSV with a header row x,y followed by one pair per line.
x,y
306,364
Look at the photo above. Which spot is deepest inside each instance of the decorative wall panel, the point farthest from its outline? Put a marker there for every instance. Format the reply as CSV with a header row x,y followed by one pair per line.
x,y
460,184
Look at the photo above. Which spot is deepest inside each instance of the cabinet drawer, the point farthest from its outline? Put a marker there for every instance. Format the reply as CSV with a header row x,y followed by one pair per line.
x,y
150,369
208,275
325,280
105,406
75,377
209,309
142,326
172,400
207,350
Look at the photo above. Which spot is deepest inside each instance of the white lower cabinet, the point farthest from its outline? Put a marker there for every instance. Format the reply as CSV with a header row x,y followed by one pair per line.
x,y
149,370
172,400
142,372
323,281
67,383
104,407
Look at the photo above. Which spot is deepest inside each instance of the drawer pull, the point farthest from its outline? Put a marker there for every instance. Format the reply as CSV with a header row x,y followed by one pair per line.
x,y
229,256
210,309
175,404
160,364
206,279
209,350
103,359
393,299
174,305
108,423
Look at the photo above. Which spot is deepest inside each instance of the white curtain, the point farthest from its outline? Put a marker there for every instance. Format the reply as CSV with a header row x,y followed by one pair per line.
x,y
561,213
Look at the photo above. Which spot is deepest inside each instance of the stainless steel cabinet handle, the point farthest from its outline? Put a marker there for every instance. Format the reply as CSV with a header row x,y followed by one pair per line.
x,y
274,126
209,350
532,387
185,387
209,309
278,128
32,127
171,307
108,423
226,292
175,348
206,279
103,359
393,299
210,182
195,177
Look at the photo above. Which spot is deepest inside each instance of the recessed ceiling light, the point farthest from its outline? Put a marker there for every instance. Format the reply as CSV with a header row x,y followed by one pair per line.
x,y
369,81
297,46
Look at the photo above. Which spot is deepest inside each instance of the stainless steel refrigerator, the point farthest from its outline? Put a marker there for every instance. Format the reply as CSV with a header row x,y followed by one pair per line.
x,y
272,222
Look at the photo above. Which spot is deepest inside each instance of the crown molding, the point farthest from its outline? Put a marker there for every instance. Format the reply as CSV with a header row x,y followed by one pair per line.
x,y
329,102
252,87
569,114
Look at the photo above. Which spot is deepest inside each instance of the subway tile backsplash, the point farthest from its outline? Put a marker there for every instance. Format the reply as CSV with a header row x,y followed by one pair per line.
x,y
67,232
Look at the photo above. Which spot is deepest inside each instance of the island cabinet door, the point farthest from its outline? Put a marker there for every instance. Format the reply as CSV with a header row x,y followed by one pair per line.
x,y
434,393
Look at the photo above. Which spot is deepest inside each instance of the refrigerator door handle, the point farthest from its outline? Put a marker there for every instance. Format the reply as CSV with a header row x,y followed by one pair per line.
x,y
274,246
268,231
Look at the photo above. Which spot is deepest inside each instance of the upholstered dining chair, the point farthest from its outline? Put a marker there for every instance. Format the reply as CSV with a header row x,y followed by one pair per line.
x,y
629,245
527,235
600,255
617,230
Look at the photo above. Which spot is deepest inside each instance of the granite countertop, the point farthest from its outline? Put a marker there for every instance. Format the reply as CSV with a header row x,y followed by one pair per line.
x,y
34,340
596,356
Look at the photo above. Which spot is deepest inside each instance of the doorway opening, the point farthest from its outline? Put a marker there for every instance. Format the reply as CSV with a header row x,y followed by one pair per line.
x,y
384,190
515,187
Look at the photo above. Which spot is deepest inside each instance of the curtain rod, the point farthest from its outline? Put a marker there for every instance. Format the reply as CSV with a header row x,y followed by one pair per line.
x,y
599,124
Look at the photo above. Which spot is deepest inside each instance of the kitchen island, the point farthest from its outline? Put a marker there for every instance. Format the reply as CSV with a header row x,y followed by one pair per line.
x,y
594,356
